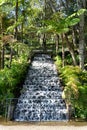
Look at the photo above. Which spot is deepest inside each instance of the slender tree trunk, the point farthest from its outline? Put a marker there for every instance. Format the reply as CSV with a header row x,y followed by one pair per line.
x,y
22,26
44,35
57,42
40,40
81,4
16,19
1,27
63,51
11,52
52,6
81,43
44,42
63,55
2,58
0,43
74,37
71,50
23,14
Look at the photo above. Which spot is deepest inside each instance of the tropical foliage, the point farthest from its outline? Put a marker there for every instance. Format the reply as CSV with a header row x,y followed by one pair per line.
x,y
55,25
75,90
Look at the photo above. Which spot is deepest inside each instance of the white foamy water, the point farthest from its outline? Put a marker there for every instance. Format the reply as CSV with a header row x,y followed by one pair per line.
x,y
41,96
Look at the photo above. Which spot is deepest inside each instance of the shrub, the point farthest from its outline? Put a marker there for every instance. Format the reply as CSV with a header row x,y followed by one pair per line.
x,y
75,90
58,63
11,78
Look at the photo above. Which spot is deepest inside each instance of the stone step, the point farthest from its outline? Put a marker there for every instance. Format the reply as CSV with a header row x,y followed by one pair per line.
x,y
42,116
41,96
40,88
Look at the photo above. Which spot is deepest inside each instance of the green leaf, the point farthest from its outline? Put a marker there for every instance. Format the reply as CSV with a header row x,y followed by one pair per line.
x,y
81,11
71,16
10,29
74,21
62,30
2,2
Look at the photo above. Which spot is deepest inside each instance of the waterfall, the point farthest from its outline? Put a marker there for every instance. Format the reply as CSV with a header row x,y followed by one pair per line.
x,y
41,96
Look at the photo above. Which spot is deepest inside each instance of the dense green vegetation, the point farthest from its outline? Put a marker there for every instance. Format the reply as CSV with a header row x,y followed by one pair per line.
x,y
55,25
12,77
75,87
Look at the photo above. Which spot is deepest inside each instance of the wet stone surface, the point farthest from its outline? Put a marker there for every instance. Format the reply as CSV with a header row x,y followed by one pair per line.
x,y
41,96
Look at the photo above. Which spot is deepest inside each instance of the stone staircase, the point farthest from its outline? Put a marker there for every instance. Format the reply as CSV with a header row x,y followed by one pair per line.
x,y
41,96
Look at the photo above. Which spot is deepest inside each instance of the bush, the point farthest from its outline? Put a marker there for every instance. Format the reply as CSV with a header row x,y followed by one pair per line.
x,y
75,90
58,63
12,78
70,78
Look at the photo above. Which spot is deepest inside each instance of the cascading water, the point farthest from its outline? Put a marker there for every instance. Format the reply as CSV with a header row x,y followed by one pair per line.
x,y
41,96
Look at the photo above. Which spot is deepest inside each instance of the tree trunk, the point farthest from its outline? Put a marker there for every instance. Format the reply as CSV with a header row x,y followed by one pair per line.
x,y
57,42
52,6
63,51
71,50
23,21
16,19
81,4
74,37
22,26
2,58
44,42
81,43
11,52
1,31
